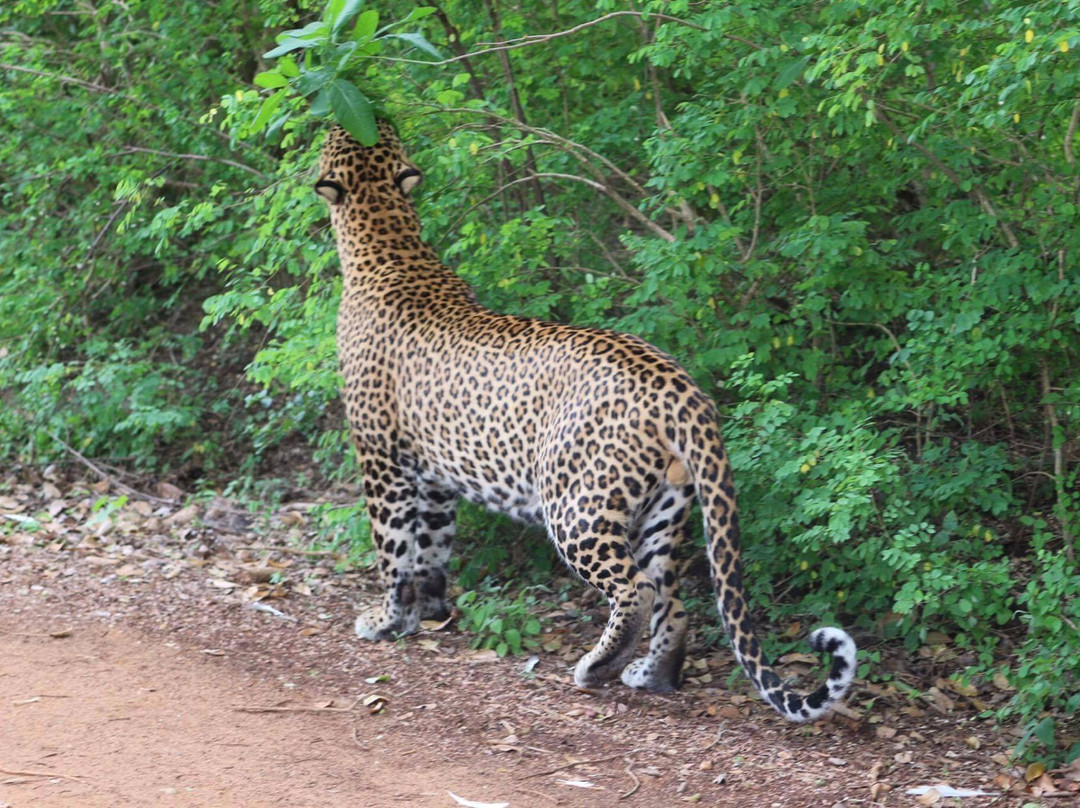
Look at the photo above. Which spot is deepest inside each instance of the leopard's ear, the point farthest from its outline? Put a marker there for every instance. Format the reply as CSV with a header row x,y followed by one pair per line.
x,y
331,191
407,180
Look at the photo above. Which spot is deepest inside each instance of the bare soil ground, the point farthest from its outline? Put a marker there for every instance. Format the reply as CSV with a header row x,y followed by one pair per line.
x,y
158,655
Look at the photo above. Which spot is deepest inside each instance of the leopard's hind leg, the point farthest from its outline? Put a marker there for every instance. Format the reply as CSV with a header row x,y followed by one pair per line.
x,y
597,548
656,536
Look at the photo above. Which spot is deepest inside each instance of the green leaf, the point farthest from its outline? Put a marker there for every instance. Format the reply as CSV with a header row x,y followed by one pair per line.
x,y
275,126
311,81
418,41
1044,731
419,13
333,10
354,111
366,25
320,105
350,8
269,107
288,67
311,31
287,46
449,98
271,79
513,638
792,72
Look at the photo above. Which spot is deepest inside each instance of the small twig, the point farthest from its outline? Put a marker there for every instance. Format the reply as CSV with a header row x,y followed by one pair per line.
x,y
538,794
719,734
1071,133
127,489
533,39
581,763
637,783
222,160
101,234
89,85
295,709
56,635
16,773
295,551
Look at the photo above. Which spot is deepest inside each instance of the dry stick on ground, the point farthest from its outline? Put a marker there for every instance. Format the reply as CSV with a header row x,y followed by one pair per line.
x,y
539,794
293,550
581,763
127,489
637,783
16,773
296,709
56,635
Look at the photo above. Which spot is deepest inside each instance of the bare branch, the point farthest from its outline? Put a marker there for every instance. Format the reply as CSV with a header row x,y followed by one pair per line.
x,y
223,160
1071,134
89,85
533,39
579,152
615,197
976,191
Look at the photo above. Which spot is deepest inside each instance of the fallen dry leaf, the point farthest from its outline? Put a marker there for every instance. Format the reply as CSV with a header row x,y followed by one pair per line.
x,y
169,491
577,783
472,804
1034,772
930,797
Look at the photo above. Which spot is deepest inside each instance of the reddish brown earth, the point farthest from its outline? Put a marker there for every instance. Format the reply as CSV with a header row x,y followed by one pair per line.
x,y
134,670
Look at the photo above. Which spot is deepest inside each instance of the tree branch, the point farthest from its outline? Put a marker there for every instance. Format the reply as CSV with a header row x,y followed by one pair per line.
x,y
533,39
1071,133
615,197
975,193
89,85
223,160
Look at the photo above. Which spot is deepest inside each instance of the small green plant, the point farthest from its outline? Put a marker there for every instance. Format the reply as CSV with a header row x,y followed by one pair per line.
x,y
500,623
347,529
105,508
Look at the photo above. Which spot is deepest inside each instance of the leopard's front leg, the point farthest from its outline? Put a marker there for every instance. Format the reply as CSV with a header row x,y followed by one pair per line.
x,y
392,508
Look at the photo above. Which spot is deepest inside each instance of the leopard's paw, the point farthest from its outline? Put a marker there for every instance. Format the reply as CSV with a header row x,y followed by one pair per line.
x,y
434,608
641,674
379,624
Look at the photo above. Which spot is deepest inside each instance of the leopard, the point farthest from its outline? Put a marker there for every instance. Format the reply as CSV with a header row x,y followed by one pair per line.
x,y
596,435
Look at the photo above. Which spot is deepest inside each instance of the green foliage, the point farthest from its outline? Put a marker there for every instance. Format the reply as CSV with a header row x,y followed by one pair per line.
x,y
853,222
330,50
498,622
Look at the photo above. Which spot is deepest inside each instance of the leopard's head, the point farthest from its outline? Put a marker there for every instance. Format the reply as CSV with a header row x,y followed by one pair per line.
x,y
351,173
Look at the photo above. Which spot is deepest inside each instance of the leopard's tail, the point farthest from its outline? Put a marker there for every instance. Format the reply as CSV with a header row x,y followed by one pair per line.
x,y
705,459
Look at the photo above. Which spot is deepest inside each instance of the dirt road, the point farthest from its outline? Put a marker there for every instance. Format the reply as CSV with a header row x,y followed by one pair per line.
x,y
174,681
105,717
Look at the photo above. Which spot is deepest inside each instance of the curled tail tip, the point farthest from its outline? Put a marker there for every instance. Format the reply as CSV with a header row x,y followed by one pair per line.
x,y
841,647
839,644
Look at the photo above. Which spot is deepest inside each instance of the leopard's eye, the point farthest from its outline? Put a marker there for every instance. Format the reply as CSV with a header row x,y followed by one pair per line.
x,y
331,191
407,180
